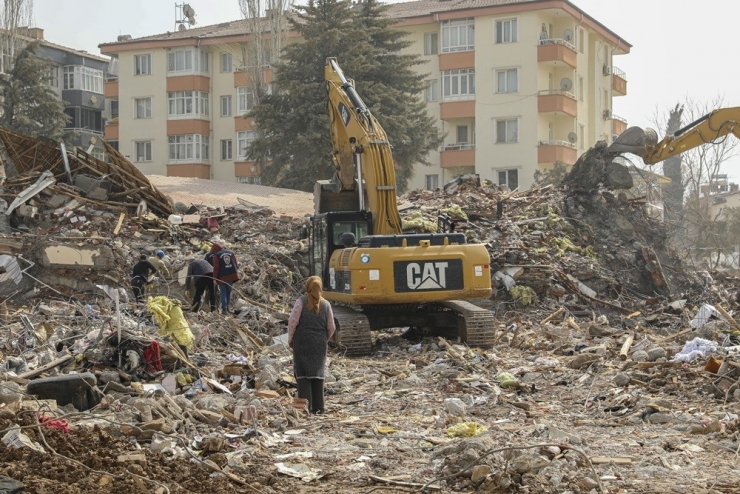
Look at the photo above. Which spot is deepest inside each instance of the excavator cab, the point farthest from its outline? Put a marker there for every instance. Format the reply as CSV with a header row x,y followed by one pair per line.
x,y
326,232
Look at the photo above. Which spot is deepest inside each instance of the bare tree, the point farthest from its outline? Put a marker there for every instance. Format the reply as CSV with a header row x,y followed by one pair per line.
x,y
15,15
265,19
699,232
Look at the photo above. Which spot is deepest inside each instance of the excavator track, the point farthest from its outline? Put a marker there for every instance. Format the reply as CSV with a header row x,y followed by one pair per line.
x,y
479,329
353,335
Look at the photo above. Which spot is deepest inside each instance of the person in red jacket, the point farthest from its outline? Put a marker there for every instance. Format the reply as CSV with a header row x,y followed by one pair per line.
x,y
225,273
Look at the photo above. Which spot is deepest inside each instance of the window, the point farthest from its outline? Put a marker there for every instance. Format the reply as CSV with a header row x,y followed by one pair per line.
x,y
507,130
187,103
226,60
431,43
581,39
225,106
84,78
113,108
98,154
188,149
507,81
245,99
53,77
113,144
509,178
143,108
143,64
458,35
243,141
143,151
580,88
581,136
187,60
462,134
90,120
432,181
431,93
458,84
506,31
226,145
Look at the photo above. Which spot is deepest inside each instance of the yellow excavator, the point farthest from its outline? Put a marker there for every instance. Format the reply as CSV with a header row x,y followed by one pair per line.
x,y
707,129
376,276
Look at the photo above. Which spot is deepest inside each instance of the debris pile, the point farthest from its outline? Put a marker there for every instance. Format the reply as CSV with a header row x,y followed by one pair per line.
x,y
614,368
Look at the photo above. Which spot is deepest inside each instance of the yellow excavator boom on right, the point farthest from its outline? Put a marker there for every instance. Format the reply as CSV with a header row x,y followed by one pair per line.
x,y
707,129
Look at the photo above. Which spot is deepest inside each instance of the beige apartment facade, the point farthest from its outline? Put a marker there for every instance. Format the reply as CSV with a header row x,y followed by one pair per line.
x,y
514,86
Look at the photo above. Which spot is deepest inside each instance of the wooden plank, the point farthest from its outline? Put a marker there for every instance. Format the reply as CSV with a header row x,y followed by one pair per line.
x,y
47,367
120,223
617,460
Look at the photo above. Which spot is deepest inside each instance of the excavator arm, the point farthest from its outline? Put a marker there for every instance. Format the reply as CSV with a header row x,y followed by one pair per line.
x,y
365,177
707,129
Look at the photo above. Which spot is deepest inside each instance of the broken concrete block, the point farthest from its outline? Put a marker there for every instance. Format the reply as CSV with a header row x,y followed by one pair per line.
x,y
57,255
139,458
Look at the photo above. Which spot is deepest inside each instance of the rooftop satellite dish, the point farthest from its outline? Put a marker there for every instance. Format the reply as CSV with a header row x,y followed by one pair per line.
x,y
572,138
189,12
568,35
566,84
181,27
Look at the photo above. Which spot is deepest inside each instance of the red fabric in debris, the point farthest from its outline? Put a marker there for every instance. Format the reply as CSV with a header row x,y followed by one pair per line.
x,y
152,356
61,425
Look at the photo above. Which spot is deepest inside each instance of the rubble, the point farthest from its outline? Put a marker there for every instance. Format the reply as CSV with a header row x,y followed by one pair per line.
x,y
596,319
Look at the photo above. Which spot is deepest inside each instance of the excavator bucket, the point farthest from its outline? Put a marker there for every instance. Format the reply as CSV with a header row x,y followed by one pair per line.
x,y
634,140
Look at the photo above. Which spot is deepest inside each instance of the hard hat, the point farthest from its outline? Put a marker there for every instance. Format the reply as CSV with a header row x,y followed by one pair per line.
x,y
160,253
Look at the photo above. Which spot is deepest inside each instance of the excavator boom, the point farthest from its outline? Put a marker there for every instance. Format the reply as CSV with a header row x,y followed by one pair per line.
x,y
707,129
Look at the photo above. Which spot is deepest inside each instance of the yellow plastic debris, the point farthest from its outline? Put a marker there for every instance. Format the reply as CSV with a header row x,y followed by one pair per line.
x,y
465,429
181,379
506,380
382,429
168,314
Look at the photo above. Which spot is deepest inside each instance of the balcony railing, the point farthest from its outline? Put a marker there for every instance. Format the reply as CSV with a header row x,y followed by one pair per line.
x,y
458,146
545,92
111,77
557,143
619,119
87,131
557,41
619,73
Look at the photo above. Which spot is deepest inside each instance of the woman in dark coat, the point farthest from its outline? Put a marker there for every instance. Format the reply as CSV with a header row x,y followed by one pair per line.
x,y
310,326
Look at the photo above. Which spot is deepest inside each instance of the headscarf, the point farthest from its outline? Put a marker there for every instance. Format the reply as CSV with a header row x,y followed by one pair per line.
x,y
313,293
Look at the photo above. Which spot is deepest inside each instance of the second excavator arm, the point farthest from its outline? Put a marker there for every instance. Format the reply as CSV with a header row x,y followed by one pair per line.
x,y
365,177
707,129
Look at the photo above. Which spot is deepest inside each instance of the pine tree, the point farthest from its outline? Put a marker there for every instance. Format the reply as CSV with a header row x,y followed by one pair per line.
x,y
30,106
293,122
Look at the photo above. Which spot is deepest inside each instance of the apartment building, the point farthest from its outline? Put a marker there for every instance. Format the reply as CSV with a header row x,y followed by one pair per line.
x,y
514,85
77,78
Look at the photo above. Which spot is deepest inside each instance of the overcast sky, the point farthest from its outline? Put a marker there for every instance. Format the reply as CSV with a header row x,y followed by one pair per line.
x,y
676,52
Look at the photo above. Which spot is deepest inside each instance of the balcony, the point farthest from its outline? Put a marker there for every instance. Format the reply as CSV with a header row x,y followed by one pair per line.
x,y
557,102
111,130
619,124
551,151
557,52
457,109
457,155
619,82
110,89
